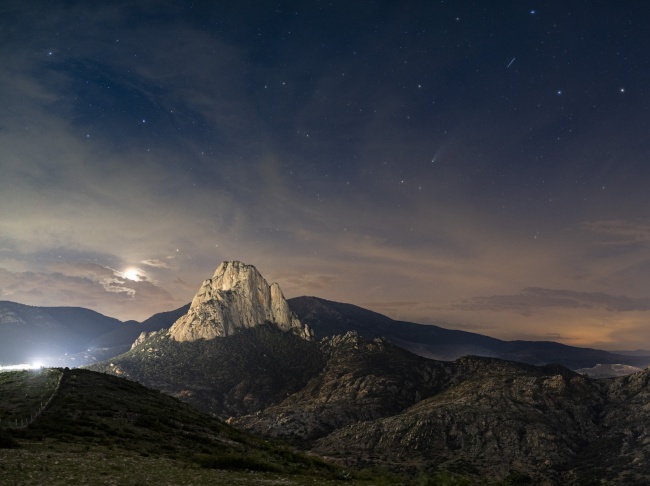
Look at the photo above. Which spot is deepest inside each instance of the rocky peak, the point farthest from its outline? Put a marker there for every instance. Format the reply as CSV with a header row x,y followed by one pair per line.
x,y
236,297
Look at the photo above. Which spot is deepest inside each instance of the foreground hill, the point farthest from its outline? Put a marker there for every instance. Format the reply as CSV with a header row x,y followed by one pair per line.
x,y
328,318
99,429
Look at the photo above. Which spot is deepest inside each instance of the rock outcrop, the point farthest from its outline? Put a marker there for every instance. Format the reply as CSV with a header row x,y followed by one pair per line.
x,y
236,297
144,335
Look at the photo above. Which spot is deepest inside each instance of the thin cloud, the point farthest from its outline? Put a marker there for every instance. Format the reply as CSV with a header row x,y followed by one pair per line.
x,y
391,305
154,262
619,232
556,336
533,298
86,285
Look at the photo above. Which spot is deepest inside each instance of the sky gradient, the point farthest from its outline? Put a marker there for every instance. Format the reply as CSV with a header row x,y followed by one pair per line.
x,y
479,165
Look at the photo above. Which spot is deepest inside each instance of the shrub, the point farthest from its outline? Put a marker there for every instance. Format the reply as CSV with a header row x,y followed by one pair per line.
x,y
236,462
7,441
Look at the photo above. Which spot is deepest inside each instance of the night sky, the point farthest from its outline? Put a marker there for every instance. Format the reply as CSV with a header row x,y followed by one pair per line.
x,y
480,165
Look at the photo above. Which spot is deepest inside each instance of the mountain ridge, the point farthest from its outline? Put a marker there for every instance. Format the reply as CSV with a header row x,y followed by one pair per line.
x,y
327,318
29,332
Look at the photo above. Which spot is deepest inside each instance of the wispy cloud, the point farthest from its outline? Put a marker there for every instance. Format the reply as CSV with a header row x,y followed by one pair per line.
x,y
530,299
154,262
86,285
619,232
391,305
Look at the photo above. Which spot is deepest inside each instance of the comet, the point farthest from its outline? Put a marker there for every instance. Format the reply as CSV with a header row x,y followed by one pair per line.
x,y
510,64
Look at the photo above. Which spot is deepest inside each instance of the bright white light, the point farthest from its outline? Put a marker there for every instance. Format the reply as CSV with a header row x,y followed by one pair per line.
x,y
132,273
36,365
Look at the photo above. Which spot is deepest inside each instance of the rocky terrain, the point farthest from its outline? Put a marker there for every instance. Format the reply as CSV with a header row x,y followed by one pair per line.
x,y
374,404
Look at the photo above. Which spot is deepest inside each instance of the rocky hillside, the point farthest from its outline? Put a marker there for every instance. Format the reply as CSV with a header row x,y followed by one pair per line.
x,y
370,403
375,404
493,424
240,374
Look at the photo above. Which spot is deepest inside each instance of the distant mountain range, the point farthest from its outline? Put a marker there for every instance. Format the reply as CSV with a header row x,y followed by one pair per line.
x,y
68,336
30,333
74,336
328,318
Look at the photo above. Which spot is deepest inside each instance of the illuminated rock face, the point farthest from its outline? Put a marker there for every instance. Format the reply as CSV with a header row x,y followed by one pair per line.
x,y
236,297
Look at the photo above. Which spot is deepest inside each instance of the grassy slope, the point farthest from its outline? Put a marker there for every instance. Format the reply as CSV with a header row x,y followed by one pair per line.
x,y
102,429
23,392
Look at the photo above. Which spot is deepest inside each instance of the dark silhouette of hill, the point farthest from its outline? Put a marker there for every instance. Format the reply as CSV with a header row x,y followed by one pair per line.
x,y
128,333
28,332
100,428
72,336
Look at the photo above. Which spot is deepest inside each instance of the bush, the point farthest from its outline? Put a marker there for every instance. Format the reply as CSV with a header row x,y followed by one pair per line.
x,y
236,462
7,441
